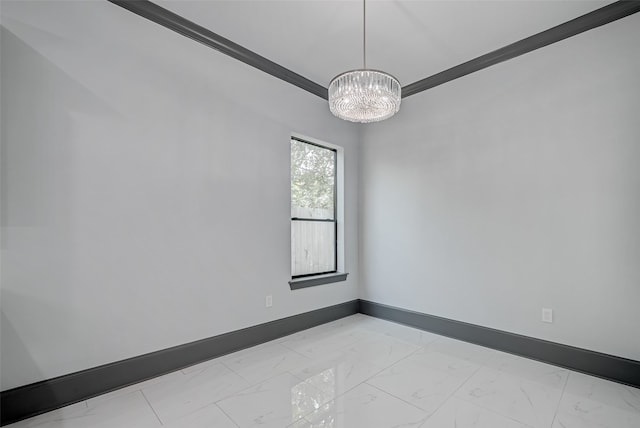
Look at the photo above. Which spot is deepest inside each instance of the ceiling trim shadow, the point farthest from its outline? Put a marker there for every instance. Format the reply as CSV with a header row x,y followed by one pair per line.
x,y
597,18
172,21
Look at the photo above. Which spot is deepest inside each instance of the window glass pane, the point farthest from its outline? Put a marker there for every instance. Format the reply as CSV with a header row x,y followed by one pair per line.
x,y
313,246
312,181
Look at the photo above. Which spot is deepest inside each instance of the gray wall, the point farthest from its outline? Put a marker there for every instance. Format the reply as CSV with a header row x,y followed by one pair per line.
x,y
145,195
145,190
513,189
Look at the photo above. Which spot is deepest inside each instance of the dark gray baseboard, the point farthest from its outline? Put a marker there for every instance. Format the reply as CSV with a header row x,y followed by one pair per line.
x,y
606,366
31,400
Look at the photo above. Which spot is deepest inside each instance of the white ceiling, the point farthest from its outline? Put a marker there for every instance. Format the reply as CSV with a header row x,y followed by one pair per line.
x,y
409,39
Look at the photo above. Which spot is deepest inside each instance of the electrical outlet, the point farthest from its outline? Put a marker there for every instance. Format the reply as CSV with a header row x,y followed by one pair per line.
x,y
547,315
268,301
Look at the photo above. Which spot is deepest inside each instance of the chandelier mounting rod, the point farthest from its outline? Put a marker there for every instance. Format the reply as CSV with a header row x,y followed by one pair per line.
x,y
364,33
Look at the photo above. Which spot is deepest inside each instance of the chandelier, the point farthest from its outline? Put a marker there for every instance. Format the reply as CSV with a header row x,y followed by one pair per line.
x,y
364,95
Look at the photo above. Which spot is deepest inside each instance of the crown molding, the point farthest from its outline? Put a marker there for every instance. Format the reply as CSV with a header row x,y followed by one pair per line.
x,y
177,23
597,18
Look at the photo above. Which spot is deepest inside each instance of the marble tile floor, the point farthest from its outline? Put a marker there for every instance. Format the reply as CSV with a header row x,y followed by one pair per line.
x,y
360,372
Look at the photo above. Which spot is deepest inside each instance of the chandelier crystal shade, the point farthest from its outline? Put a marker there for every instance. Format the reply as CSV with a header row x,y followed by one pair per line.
x,y
364,96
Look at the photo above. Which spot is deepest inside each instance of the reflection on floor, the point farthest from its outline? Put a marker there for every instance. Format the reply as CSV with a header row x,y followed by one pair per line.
x,y
360,372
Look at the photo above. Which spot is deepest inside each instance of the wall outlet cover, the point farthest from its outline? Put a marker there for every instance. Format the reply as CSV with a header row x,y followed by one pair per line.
x,y
547,315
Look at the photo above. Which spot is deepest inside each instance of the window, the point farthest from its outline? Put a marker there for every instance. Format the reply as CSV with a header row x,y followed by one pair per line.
x,y
314,227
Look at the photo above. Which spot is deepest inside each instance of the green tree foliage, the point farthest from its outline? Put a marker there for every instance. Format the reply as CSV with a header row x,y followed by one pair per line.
x,y
312,176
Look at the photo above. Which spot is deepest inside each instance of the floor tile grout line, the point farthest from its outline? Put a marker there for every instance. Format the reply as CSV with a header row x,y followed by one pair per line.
x,y
341,348
564,388
527,379
252,384
399,398
492,411
375,373
456,390
233,421
233,394
212,362
230,368
150,406
337,395
296,352
484,365
328,333
242,377
276,342
293,350
392,364
488,410
387,368
120,392
276,375
515,356
404,341
214,403
426,349
351,325
361,383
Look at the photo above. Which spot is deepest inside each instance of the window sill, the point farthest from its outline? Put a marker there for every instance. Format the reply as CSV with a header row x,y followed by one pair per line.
x,y
312,281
